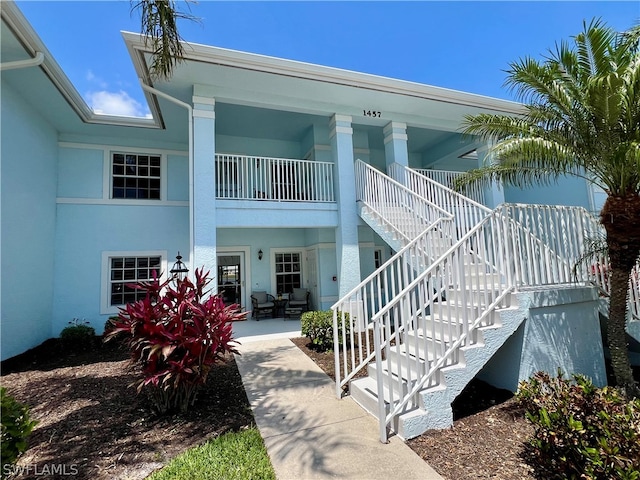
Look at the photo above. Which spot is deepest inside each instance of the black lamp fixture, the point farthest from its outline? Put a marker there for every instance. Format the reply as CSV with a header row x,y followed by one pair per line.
x,y
179,270
260,254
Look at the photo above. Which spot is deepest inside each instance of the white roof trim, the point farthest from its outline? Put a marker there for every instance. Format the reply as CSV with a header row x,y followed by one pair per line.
x,y
24,32
279,66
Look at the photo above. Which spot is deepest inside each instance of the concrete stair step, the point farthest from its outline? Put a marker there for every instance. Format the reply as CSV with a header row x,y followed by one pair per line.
x,y
422,347
433,326
364,392
399,357
480,297
393,378
451,312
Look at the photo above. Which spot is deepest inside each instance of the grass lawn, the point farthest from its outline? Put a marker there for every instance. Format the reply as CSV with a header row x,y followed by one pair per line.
x,y
232,456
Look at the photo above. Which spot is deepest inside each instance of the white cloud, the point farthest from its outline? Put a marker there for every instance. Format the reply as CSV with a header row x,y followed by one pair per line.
x,y
116,103
92,78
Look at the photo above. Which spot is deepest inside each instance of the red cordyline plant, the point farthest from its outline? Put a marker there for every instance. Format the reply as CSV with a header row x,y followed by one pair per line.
x,y
175,334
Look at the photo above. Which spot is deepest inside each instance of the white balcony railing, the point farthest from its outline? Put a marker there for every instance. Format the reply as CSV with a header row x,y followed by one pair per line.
x,y
240,177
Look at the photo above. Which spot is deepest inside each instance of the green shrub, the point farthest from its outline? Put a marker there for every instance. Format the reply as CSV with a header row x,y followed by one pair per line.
x,y
78,336
15,427
318,327
581,431
175,335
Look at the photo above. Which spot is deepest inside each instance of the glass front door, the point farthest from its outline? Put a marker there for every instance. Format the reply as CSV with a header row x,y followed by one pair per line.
x,y
230,279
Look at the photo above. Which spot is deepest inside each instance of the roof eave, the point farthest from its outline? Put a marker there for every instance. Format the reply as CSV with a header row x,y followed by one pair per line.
x,y
32,44
251,61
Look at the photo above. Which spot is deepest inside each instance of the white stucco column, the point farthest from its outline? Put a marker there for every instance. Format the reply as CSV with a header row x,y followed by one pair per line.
x,y
494,194
395,144
347,251
204,180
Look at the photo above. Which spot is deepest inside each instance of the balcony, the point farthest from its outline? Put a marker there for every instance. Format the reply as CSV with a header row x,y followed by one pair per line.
x,y
241,177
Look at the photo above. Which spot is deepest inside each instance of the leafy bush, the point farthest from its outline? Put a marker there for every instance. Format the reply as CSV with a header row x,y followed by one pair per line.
x,y
318,327
175,335
581,431
15,427
78,336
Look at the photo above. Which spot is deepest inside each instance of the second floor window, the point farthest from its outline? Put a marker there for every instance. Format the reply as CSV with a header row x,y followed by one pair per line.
x,y
135,176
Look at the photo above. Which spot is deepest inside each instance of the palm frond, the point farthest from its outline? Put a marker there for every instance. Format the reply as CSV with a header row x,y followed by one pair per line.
x,y
159,25
595,249
593,46
582,115
515,174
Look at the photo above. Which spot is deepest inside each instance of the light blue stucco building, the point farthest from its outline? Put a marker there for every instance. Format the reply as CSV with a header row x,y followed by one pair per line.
x,y
246,167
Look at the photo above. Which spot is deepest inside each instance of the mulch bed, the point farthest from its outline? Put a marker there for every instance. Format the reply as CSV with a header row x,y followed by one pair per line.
x,y
93,425
91,421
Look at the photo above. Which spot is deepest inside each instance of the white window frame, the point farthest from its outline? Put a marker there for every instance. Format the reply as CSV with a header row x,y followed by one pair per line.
x,y
272,257
105,298
108,175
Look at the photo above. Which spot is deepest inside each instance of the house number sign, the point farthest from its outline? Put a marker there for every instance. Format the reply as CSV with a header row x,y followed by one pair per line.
x,y
372,113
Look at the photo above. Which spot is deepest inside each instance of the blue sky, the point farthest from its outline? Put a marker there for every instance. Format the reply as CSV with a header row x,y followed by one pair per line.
x,y
452,44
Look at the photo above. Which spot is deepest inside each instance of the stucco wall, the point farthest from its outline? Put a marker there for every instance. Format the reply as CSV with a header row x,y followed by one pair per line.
x,y
261,147
28,196
562,330
567,191
89,223
86,231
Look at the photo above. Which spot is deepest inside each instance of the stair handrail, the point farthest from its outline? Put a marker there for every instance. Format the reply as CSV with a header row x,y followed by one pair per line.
x,y
598,272
393,194
395,167
503,256
473,192
411,308
405,263
448,199
550,253
561,262
420,384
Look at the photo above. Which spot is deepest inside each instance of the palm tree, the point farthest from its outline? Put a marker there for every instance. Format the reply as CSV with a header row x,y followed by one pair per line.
x,y
159,25
581,117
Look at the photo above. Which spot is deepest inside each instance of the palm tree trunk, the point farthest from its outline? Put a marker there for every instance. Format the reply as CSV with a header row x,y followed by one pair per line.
x,y
621,219
616,332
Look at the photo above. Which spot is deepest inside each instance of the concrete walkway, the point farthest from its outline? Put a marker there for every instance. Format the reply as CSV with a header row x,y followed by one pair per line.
x,y
308,432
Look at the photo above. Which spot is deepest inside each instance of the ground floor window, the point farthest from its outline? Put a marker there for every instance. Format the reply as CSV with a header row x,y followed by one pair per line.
x,y
121,270
288,268
128,270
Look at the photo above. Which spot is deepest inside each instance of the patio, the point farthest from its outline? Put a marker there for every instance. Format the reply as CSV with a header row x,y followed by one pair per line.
x,y
251,330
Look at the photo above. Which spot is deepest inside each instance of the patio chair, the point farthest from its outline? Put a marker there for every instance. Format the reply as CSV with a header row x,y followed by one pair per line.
x,y
299,298
262,302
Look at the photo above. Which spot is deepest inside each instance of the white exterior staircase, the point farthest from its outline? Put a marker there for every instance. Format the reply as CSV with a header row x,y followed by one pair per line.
x,y
426,322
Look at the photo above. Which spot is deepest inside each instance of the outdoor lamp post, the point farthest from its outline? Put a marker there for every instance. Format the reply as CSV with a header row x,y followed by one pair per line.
x,y
179,270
